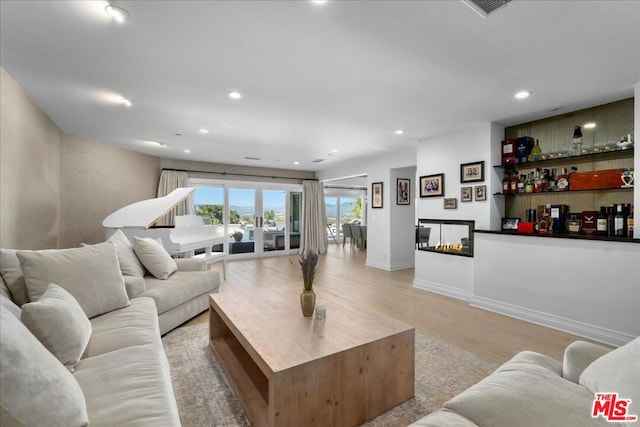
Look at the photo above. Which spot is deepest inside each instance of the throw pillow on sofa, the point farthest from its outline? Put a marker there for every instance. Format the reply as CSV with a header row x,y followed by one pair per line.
x,y
35,388
154,257
129,263
12,275
90,273
59,323
617,372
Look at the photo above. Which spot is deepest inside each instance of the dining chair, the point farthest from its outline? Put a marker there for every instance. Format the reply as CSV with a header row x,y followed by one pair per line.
x,y
347,233
363,230
357,234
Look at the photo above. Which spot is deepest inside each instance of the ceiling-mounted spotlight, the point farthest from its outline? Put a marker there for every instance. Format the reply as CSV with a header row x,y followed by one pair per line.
x,y
124,101
119,14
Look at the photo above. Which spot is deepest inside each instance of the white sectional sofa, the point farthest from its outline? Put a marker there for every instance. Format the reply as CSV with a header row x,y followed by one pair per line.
x,y
533,390
81,342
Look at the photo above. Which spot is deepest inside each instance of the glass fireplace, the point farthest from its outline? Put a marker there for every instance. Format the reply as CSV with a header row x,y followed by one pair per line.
x,y
445,236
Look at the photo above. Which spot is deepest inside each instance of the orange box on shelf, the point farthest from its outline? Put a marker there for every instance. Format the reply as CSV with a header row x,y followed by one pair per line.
x,y
596,180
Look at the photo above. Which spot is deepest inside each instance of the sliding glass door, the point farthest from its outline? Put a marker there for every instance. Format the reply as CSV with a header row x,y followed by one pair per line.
x,y
260,220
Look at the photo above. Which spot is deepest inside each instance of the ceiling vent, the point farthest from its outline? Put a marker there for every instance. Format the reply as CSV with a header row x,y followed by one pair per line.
x,y
317,161
485,7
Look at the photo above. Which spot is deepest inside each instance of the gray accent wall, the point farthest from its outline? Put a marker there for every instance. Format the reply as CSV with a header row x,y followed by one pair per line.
x,y
98,179
55,188
30,171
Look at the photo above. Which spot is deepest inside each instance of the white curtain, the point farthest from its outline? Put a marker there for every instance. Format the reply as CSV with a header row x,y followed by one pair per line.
x,y
314,233
169,181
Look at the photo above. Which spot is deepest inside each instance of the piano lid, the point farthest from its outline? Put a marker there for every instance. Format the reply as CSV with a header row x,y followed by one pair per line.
x,y
145,213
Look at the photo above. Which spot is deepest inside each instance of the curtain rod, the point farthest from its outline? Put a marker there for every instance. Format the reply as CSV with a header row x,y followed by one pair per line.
x,y
346,188
241,174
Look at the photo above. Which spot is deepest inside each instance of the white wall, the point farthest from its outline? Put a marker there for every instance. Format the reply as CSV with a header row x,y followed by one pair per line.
x,y
448,274
403,220
589,288
379,225
444,154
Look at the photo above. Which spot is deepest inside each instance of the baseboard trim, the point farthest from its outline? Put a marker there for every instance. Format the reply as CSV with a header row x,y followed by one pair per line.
x,y
402,265
563,324
442,289
380,266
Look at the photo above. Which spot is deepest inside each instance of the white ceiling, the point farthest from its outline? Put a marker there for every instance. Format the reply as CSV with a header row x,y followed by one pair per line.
x,y
343,75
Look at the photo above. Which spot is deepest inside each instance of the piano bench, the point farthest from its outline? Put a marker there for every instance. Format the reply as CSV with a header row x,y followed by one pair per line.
x,y
212,258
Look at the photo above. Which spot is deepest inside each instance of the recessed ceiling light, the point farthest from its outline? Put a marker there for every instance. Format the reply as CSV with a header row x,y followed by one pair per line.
x,y
335,150
399,132
234,94
186,150
125,102
319,1
118,14
523,94
204,131
589,125
296,163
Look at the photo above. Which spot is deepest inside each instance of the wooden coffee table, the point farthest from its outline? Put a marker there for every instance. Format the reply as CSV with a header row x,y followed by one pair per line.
x,y
295,371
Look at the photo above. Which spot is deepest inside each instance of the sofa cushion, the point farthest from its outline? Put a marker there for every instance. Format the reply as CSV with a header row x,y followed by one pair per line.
x,y
57,320
130,265
35,388
131,386
4,290
443,418
136,324
12,274
90,273
134,285
181,287
527,391
617,372
154,257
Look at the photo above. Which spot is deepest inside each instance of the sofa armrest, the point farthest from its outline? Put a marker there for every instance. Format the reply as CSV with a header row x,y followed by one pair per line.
x,y
134,285
191,264
577,356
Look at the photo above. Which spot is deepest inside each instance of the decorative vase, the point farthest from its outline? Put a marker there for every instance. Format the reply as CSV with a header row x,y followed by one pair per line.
x,y
307,302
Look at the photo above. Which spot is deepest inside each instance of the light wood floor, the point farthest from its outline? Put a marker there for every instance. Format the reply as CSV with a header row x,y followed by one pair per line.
x,y
343,272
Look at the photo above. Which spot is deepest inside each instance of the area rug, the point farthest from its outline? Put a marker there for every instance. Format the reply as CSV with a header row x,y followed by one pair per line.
x,y
205,398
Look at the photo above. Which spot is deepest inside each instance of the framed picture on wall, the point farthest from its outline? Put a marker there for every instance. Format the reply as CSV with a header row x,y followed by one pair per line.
x,y
481,192
466,194
451,203
432,185
403,188
376,195
472,172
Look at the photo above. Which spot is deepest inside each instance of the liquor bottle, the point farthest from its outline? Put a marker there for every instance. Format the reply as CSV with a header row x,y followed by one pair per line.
x,y
553,179
536,152
630,223
529,183
618,222
563,180
514,183
601,222
521,183
538,183
610,215
506,183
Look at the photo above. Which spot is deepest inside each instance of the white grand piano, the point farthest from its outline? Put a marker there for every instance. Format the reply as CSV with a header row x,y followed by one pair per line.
x,y
189,233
